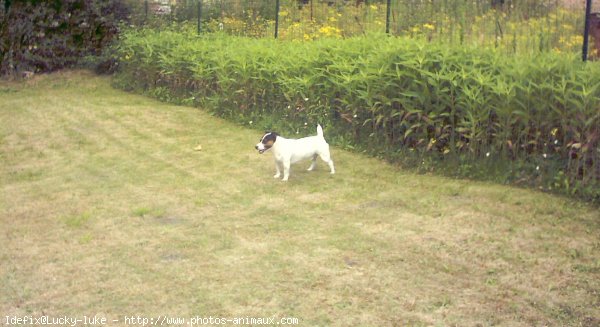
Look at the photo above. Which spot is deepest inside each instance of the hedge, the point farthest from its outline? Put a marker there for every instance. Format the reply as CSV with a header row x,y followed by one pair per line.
x,y
526,120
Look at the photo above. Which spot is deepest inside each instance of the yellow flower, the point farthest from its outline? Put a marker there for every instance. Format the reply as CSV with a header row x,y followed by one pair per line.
x,y
567,27
329,31
429,26
577,39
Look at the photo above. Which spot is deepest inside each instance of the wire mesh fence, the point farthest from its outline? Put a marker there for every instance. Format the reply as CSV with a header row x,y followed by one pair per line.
x,y
513,26
510,25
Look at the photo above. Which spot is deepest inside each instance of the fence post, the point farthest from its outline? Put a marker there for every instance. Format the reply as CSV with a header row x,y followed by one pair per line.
x,y
388,12
276,17
199,16
586,31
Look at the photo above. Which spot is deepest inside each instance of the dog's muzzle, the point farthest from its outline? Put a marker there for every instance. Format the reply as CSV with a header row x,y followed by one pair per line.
x,y
261,150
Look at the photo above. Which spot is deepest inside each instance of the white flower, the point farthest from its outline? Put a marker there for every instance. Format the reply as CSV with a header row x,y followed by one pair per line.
x,y
305,99
250,122
537,168
544,155
487,154
305,124
555,141
289,107
355,116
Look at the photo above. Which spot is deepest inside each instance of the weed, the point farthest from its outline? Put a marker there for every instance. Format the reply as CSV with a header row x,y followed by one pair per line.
x,y
77,221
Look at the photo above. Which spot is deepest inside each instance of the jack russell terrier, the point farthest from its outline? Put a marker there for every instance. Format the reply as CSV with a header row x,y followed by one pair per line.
x,y
289,151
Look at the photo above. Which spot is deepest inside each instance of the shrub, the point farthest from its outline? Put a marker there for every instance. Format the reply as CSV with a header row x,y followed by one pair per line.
x,y
42,36
531,120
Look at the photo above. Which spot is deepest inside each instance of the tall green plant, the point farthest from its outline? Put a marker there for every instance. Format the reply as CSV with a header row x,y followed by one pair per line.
x,y
533,120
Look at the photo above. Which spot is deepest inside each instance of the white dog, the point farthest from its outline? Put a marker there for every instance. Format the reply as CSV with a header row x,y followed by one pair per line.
x,y
289,151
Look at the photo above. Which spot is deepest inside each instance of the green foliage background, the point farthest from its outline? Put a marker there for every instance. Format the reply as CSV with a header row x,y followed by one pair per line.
x,y
526,120
42,36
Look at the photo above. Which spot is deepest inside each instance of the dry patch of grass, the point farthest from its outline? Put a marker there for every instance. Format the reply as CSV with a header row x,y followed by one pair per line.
x,y
106,209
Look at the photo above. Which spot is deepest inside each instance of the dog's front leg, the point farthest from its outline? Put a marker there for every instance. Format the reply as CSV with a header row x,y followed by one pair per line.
x,y
277,170
286,170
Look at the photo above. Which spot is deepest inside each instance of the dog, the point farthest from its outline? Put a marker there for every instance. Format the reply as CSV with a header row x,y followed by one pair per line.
x,y
288,151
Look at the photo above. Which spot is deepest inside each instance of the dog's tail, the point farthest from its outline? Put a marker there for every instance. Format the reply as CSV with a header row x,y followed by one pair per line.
x,y
319,130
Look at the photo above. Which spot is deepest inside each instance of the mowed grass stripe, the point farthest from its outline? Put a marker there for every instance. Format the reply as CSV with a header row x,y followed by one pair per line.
x,y
174,153
146,157
105,205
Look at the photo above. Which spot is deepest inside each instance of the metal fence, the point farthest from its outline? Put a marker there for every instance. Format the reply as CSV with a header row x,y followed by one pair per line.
x,y
510,26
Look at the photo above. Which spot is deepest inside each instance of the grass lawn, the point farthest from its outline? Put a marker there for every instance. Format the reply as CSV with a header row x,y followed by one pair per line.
x,y
106,209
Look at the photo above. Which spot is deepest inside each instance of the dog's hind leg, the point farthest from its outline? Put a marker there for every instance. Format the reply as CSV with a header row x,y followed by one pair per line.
x,y
331,168
327,158
313,164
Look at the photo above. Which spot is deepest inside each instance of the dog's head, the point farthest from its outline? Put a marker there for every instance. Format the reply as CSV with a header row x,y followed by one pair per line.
x,y
266,142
